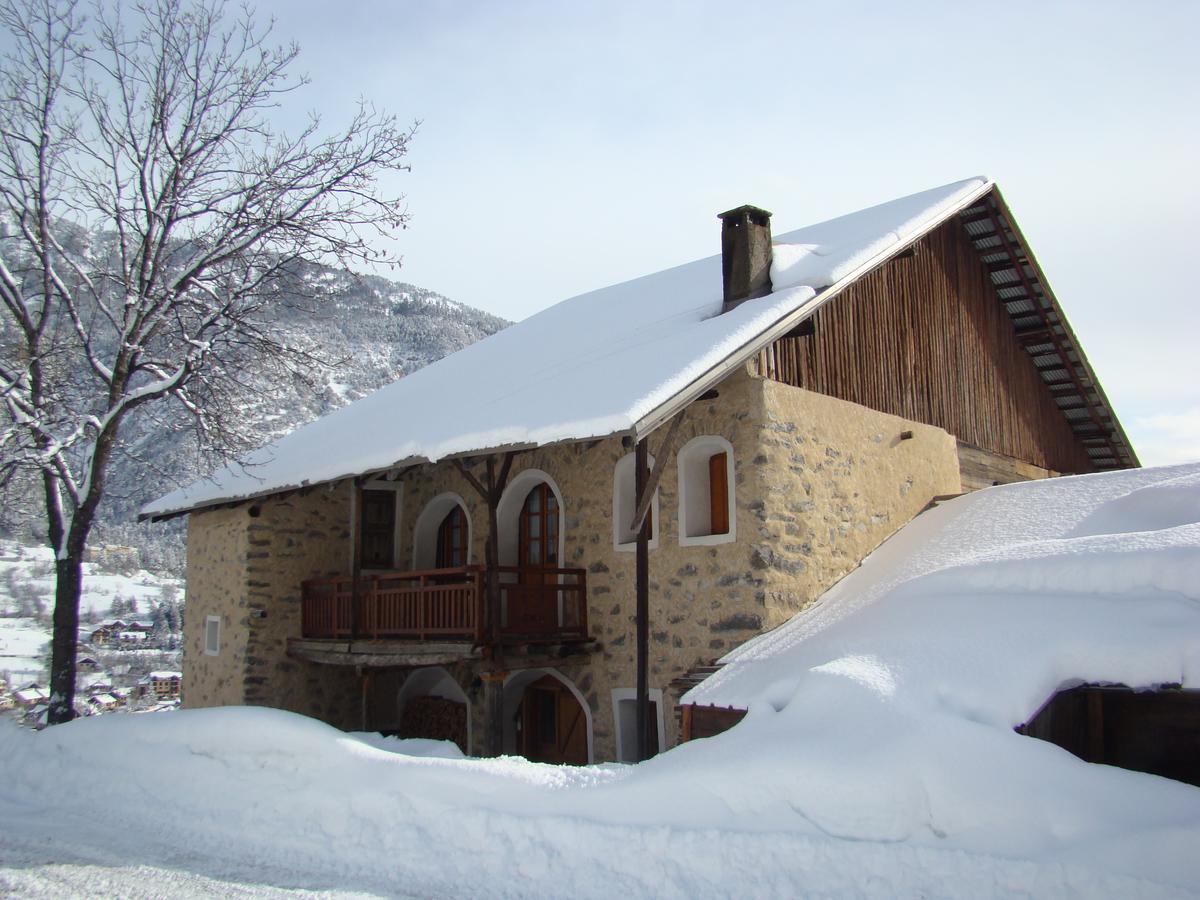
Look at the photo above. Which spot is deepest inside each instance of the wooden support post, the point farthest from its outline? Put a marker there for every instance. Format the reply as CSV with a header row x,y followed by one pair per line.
x,y
356,501
645,492
490,494
493,712
641,481
365,679
492,557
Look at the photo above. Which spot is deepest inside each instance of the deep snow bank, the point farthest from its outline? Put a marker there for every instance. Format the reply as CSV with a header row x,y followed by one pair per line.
x,y
877,758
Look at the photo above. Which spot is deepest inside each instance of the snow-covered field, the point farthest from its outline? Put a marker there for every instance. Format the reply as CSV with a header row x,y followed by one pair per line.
x,y
23,644
27,573
878,758
34,566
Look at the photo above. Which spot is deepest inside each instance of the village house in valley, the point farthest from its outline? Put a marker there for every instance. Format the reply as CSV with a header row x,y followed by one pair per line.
x,y
471,552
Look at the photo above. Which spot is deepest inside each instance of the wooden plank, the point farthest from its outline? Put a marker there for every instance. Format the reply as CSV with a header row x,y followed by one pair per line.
x,y
718,492
706,721
929,341
646,497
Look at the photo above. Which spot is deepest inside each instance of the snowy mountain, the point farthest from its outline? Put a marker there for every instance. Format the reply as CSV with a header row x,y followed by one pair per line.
x,y
368,331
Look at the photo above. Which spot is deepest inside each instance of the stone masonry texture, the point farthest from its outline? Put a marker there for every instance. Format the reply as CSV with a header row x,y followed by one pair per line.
x,y
818,483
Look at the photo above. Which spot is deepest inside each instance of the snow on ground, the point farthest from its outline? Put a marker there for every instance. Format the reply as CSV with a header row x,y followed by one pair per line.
x,y
28,572
877,759
23,645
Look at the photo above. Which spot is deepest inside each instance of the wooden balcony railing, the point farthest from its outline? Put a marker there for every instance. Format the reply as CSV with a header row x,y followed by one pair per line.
x,y
447,604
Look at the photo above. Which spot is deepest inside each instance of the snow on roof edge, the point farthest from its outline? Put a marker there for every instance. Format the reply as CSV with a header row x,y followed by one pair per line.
x,y
787,322
159,509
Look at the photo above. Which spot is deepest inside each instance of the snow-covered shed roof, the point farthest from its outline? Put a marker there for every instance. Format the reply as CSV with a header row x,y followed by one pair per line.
x,y
621,359
1008,594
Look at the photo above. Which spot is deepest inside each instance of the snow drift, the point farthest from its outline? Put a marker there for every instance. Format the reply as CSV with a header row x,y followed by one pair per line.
x,y
878,757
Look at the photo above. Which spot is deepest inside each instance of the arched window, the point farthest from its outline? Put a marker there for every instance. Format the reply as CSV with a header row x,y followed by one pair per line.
x,y
442,534
537,532
625,505
706,501
452,540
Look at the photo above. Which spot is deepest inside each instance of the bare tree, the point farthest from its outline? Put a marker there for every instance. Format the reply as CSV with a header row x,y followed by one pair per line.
x,y
149,215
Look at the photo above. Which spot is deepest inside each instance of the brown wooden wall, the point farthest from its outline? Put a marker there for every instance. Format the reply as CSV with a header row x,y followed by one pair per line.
x,y
706,721
926,337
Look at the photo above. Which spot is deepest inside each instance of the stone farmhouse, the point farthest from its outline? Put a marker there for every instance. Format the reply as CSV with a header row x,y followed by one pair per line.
x,y
536,544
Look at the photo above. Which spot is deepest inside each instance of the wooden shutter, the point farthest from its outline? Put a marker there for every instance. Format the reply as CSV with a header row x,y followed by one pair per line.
x,y
718,492
378,524
451,540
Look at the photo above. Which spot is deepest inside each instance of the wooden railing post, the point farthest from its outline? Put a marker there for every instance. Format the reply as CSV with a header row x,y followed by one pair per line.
x,y
336,597
422,602
581,599
480,599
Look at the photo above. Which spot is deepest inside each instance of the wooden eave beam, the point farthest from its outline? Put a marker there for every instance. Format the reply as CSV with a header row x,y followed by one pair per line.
x,y
975,218
1059,340
1125,450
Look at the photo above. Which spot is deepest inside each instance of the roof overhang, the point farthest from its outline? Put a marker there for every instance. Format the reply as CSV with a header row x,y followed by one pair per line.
x,y
1038,322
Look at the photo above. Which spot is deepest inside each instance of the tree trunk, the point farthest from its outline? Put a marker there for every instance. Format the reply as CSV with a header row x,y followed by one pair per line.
x,y
67,591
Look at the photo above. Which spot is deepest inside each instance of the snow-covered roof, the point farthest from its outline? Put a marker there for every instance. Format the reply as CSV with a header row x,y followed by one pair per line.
x,y
602,363
165,675
1012,593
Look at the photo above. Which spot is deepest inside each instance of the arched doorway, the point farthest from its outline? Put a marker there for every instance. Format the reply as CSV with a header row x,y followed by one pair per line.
x,y
546,719
531,546
432,705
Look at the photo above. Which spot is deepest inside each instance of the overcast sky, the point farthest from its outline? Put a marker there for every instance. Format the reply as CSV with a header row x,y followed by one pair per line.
x,y
565,146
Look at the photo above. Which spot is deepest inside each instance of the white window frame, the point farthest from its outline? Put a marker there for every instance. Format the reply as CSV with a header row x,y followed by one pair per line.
x,y
212,648
626,694
624,480
703,447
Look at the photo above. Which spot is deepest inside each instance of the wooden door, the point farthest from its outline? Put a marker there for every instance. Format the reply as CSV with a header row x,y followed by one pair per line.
x,y
553,724
533,601
452,540
538,534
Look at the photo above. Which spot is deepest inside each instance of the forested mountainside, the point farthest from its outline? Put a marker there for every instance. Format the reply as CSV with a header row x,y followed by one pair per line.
x,y
369,330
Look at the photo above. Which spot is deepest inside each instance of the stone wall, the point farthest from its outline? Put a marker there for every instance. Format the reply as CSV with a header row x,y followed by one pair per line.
x,y
216,563
835,480
251,559
818,484
697,612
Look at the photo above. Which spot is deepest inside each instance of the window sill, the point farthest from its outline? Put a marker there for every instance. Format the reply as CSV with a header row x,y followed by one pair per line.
x,y
706,540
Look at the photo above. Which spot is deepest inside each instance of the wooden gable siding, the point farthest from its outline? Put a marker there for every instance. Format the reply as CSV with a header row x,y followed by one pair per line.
x,y
926,337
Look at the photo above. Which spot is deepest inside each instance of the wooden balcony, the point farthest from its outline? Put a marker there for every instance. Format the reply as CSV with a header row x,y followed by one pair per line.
x,y
545,605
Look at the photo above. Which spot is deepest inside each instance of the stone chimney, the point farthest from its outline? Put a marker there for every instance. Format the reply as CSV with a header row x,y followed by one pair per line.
x,y
745,254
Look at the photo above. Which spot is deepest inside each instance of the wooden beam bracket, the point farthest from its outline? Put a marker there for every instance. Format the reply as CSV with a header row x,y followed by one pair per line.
x,y
660,461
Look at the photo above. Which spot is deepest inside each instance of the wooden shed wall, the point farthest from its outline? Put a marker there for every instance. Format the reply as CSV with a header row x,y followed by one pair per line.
x,y
927,338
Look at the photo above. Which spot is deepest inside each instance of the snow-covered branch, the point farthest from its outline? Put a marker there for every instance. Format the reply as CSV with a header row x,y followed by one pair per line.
x,y
150,217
